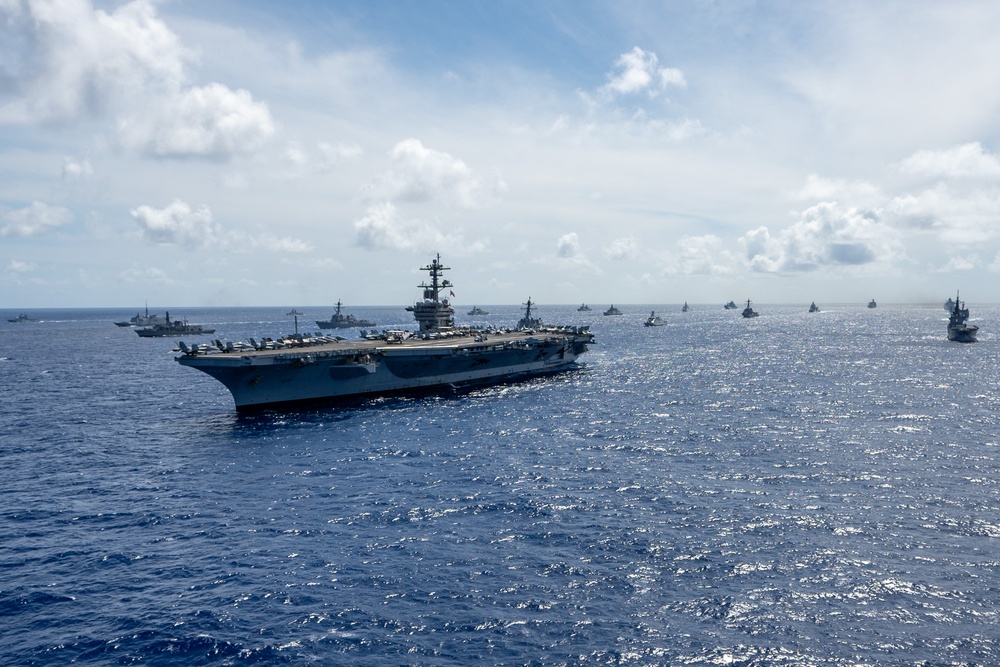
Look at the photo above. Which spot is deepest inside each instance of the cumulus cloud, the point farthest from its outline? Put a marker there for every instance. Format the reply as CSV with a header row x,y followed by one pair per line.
x,y
568,246
699,256
176,224
209,121
383,227
824,236
179,224
569,255
639,71
33,220
65,60
966,161
956,217
626,248
422,174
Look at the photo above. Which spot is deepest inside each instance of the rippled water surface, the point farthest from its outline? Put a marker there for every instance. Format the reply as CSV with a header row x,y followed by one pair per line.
x,y
799,489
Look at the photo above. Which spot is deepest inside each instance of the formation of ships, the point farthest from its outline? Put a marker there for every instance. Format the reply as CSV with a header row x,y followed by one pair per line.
x,y
305,368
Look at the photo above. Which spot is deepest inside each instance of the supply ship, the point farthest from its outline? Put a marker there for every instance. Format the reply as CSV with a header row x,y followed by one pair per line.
x,y
301,369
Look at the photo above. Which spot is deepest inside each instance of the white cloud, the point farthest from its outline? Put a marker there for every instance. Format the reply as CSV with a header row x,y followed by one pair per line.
x,y
956,217
626,248
824,236
966,161
568,246
209,121
423,174
699,256
74,169
179,224
243,242
961,263
383,227
17,266
145,275
33,220
639,71
176,224
65,61
336,154
818,188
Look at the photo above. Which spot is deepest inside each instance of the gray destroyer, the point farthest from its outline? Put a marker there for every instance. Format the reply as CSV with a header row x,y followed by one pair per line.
x,y
958,328
303,369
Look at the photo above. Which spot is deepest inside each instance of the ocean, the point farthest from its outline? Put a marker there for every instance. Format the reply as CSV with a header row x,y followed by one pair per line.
x,y
797,489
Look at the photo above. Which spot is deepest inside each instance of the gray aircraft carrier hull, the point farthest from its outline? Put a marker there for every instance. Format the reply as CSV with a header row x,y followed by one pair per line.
x,y
259,379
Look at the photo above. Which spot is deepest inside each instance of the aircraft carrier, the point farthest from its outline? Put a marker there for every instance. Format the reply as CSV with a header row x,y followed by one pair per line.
x,y
316,369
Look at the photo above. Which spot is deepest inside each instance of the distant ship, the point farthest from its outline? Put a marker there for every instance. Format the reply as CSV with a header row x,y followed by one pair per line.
x,y
685,308
141,320
584,308
730,306
872,304
749,312
813,308
304,369
949,304
476,310
173,329
612,311
341,321
958,330
654,320
23,317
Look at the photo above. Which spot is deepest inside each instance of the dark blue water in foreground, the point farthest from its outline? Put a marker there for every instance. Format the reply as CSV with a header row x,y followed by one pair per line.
x,y
793,490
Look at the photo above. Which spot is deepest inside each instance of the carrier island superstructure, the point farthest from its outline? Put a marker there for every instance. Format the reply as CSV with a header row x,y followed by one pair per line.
x,y
303,369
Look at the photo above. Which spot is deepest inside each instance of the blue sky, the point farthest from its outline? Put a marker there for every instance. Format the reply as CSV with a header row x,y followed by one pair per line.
x,y
260,153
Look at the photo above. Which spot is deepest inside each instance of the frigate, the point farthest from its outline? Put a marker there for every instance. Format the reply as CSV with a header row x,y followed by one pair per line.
x,y
304,369
173,329
958,328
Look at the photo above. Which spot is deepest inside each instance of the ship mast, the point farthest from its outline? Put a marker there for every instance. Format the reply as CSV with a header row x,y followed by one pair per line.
x,y
437,271
434,313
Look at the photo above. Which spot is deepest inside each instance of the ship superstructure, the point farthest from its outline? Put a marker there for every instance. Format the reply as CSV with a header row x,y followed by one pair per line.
x,y
303,369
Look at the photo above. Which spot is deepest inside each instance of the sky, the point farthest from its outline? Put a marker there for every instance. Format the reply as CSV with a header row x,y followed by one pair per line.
x,y
256,153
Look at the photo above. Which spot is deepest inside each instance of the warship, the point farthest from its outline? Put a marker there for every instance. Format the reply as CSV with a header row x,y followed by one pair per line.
x,y
749,312
173,329
813,308
872,304
584,308
140,320
340,321
612,311
476,310
653,320
958,330
731,305
23,317
305,369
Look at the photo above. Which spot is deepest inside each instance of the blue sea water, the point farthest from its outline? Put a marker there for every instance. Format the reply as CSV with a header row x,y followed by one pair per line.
x,y
798,489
